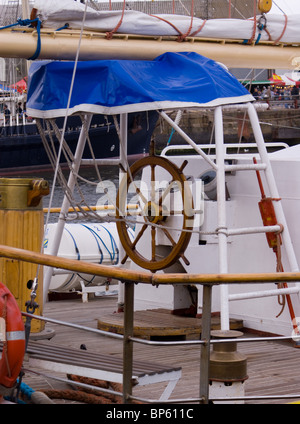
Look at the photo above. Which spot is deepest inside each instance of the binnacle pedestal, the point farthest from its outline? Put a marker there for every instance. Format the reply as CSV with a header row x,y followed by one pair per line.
x,y
228,368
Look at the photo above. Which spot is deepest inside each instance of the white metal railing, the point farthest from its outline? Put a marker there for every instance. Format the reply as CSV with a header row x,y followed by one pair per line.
x,y
240,148
201,343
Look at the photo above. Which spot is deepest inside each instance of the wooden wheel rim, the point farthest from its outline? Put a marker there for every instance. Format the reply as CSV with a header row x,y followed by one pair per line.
x,y
129,246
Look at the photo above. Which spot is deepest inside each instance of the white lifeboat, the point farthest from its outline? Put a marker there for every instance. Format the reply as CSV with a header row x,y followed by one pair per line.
x,y
94,243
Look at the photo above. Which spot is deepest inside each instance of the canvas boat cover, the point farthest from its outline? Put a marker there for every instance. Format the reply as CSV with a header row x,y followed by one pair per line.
x,y
56,13
172,80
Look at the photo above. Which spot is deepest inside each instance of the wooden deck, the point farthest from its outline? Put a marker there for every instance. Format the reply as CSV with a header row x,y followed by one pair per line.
x,y
273,367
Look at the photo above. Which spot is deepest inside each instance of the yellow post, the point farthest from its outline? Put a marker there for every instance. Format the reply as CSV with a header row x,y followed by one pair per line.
x,y
21,226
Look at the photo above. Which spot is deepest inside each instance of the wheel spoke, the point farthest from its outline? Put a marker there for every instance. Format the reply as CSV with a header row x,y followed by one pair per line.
x,y
153,233
168,235
166,191
139,192
140,233
152,183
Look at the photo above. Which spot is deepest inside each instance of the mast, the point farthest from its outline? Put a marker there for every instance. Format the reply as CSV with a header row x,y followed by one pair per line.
x,y
25,9
26,15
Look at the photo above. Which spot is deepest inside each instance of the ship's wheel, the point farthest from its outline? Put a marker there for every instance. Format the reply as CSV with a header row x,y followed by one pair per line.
x,y
160,205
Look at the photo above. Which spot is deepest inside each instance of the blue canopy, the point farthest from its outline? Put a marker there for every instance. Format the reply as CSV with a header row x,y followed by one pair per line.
x,y
172,80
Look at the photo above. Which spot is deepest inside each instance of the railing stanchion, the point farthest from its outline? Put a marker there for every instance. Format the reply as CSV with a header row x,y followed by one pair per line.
x,y
127,343
205,348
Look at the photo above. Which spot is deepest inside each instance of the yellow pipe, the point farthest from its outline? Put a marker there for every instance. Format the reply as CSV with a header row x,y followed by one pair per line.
x,y
63,45
143,276
87,208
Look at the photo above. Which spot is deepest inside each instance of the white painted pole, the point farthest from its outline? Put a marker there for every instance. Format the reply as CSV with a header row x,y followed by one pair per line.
x,y
53,249
263,293
187,139
222,223
123,162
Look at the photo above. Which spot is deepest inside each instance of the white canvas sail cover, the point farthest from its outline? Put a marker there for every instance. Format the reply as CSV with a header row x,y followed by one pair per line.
x,y
56,13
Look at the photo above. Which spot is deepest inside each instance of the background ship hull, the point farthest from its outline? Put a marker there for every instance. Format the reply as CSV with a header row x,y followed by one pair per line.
x,y
22,147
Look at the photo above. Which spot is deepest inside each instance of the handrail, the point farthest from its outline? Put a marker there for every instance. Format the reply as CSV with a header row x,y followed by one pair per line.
x,y
142,276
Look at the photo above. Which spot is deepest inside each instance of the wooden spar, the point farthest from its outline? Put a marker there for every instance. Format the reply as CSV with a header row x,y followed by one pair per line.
x,y
62,45
123,274
87,208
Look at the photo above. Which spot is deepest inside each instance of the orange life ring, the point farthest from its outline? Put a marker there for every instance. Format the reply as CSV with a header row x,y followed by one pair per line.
x,y
12,335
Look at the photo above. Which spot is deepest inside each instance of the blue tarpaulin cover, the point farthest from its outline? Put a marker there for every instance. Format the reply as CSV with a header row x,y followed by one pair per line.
x,y
172,80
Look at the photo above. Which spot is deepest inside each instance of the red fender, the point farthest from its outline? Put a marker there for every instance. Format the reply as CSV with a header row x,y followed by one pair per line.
x,y
14,338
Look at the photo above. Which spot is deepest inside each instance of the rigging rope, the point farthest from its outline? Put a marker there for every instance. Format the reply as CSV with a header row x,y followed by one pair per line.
x,y
31,23
285,24
111,33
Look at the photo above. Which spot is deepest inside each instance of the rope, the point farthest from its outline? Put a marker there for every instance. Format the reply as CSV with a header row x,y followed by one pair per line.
x,y
65,120
88,395
279,268
111,33
183,36
169,23
76,396
30,22
284,29
66,26
285,298
200,29
250,40
26,390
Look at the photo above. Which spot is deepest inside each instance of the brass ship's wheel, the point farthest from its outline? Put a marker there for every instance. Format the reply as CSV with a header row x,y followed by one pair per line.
x,y
160,205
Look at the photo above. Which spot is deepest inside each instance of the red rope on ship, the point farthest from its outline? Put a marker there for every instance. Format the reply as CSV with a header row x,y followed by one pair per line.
x,y
86,395
200,29
110,34
183,36
250,41
269,35
167,22
284,28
